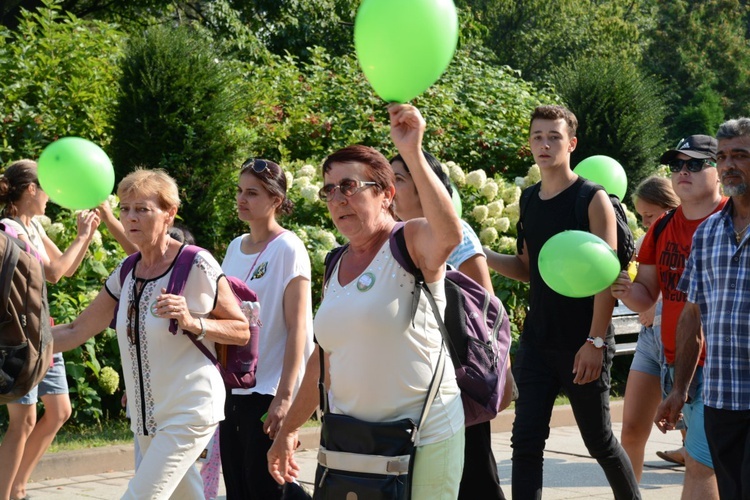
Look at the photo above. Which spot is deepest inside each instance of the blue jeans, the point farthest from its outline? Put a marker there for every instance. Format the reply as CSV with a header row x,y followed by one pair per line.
x,y
540,375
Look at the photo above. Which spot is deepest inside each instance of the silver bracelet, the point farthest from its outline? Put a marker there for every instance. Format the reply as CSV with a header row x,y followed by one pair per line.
x,y
203,330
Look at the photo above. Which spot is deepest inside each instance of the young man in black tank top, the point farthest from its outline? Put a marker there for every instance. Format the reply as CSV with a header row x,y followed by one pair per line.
x,y
564,344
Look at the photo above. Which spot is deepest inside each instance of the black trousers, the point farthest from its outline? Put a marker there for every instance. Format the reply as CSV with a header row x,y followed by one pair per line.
x,y
244,446
728,435
540,375
479,479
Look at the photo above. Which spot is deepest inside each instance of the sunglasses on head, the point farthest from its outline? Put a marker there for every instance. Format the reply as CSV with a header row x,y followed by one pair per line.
x,y
348,187
693,165
258,166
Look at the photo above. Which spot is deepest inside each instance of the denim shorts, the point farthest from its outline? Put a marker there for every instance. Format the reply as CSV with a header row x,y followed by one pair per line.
x,y
55,382
648,352
696,443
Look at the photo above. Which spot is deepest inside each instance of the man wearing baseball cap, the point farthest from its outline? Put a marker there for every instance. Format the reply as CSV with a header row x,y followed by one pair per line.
x,y
662,259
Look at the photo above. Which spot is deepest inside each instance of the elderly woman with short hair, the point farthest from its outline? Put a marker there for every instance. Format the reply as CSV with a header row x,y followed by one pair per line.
x,y
176,395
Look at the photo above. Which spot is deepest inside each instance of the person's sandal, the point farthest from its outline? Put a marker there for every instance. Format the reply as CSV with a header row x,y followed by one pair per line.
x,y
674,456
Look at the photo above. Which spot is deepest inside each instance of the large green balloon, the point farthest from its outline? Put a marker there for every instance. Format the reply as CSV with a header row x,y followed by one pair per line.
x,y
76,173
606,172
578,264
403,46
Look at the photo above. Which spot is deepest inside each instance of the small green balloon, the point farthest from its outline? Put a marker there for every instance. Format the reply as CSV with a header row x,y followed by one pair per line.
x,y
75,173
605,171
403,46
578,264
456,199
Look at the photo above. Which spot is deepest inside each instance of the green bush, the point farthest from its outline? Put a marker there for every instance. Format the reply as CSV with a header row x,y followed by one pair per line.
x,y
58,79
621,113
177,110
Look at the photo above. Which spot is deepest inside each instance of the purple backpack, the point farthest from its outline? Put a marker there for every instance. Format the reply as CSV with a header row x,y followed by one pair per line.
x,y
236,363
476,330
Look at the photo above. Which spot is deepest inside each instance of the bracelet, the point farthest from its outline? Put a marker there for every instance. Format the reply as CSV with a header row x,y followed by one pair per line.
x,y
203,330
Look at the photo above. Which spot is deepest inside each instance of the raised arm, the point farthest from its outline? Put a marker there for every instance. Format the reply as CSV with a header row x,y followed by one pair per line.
x,y
114,226
66,263
431,239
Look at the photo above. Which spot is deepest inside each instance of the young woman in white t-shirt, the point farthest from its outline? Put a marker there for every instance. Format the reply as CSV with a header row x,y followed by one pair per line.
x,y
275,264
26,440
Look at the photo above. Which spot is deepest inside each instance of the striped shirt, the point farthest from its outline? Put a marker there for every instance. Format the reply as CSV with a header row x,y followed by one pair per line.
x,y
468,248
717,279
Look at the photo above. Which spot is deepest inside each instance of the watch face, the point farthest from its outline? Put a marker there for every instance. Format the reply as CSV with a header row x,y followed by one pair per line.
x,y
597,341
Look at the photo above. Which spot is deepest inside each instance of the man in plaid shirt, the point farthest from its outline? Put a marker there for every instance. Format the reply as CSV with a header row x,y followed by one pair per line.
x,y
717,283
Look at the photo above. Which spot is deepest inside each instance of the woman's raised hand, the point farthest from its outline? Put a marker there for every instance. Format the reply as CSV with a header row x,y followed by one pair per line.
x,y
407,127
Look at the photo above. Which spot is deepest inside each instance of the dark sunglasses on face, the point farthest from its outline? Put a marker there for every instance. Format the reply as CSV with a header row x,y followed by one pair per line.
x,y
693,165
348,187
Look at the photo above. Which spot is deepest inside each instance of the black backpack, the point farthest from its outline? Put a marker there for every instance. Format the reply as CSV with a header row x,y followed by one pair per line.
x,y
25,337
625,240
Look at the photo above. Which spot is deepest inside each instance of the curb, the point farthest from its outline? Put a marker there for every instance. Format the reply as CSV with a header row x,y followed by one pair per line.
x,y
120,458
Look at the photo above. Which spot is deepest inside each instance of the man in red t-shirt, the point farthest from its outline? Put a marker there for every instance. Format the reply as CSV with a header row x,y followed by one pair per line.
x,y
661,262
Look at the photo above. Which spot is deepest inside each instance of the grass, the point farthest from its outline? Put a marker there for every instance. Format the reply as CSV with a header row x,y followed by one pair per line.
x,y
111,433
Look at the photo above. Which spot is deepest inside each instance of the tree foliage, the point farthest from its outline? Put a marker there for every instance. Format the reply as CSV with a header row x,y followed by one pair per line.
x,y
620,112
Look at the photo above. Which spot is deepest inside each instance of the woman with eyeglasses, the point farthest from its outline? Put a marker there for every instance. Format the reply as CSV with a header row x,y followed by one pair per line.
x,y
175,393
379,360
26,440
274,263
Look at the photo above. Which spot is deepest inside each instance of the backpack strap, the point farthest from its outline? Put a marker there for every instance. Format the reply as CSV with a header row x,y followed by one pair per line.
x,y
331,259
526,195
585,194
661,224
127,266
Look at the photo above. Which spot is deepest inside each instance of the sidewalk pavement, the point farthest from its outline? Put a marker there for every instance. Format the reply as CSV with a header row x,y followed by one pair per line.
x,y
569,472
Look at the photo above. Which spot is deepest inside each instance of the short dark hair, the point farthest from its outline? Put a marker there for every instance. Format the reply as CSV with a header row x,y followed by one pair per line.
x,y
378,168
434,164
14,181
553,112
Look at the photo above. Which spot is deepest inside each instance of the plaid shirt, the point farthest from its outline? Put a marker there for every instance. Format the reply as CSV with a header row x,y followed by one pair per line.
x,y
717,278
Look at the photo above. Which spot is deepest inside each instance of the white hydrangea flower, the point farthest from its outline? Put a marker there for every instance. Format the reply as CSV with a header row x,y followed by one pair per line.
x,y
302,182
302,235
306,171
502,225
488,235
512,212
456,173
480,212
489,222
55,230
496,208
319,257
96,239
327,239
520,181
511,194
534,175
476,179
490,189
507,245
113,201
44,221
310,193
289,179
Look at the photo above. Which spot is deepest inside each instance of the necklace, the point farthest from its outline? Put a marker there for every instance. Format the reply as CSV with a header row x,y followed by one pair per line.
x,y
739,234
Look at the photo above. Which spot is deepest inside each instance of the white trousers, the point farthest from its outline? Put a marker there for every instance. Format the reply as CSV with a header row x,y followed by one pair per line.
x,y
167,469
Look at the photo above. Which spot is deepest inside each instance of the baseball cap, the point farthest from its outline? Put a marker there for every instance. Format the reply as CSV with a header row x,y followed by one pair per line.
x,y
702,147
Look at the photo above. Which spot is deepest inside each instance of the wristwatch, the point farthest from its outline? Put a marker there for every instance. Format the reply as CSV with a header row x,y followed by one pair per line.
x,y
597,342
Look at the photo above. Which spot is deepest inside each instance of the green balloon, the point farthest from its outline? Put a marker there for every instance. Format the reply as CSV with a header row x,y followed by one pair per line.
x,y
456,199
76,173
403,46
578,264
605,171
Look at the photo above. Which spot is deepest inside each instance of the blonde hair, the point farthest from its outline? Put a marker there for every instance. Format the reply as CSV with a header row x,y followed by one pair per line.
x,y
146,182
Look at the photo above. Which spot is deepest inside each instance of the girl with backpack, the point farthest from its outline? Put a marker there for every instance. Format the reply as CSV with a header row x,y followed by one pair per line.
x,y
27,439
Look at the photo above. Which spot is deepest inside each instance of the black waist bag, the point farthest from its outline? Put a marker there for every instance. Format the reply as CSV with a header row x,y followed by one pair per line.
x,y
368,460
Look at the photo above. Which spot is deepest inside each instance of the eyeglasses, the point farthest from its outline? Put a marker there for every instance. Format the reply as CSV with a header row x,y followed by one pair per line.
x,y
348,187
693,165
258,166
